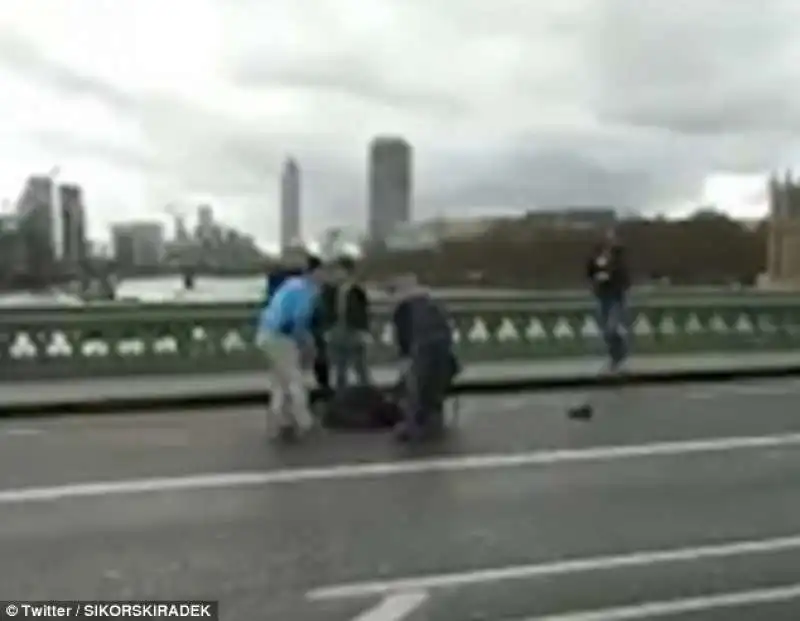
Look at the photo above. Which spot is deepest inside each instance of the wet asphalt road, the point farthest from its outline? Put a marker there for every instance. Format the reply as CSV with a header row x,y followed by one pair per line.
x,y
655,496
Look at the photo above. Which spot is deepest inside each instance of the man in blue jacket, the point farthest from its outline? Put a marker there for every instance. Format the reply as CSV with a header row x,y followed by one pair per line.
x,y
285,335
275,279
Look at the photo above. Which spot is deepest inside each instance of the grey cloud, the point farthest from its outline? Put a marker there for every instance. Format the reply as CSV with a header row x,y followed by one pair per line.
x,y
20,56
350,77
117,155
548,170
707,66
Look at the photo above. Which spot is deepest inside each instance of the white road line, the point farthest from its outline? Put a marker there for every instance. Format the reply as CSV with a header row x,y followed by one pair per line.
x,y
650,610
556,568
395,607
21,431
464,463
744,390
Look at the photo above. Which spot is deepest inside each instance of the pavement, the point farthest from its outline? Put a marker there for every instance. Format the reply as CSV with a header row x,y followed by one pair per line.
x,y
676,503
195,387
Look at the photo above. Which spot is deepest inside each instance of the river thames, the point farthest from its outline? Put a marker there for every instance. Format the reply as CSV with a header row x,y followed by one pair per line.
x,y
207,289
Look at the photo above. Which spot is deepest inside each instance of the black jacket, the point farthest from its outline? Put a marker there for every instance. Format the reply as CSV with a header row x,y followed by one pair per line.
x,y
356,308
419,322
607,271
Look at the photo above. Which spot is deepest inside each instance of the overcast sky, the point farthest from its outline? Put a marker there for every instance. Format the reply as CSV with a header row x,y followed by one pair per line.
x,y
510,104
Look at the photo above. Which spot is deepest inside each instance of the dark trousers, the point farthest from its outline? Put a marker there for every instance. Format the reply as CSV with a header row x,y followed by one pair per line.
x,y
612,317
322,370
426,384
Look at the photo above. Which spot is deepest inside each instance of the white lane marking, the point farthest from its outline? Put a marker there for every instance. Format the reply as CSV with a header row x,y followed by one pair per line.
x,y
744,390
395,607
556,568
464,463
21,431
667,608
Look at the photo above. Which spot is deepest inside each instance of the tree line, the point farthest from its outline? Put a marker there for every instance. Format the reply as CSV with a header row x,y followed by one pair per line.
x,y
707,249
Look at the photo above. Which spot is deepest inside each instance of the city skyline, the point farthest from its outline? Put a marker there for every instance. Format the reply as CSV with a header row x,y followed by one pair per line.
x,y
210,121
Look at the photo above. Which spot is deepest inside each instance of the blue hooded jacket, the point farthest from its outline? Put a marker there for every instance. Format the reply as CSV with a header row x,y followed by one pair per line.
x,y
290,310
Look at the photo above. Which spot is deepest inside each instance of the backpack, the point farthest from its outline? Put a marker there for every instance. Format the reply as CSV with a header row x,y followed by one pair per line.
x,y
364,408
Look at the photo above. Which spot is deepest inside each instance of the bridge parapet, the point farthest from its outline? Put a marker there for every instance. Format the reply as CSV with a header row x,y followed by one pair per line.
x,y
125,339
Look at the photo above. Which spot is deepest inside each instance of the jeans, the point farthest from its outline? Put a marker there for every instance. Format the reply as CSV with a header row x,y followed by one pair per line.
x,y
289,405
348,351
612,311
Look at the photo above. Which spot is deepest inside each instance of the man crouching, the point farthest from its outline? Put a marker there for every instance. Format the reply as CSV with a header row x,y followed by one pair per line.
x,y
425,342
285,336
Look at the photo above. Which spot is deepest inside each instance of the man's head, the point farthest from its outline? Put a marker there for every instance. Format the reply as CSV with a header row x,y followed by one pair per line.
x,y
404,286
315,269
344,269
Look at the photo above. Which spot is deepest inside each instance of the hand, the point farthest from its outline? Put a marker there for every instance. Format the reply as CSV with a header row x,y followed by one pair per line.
x,y
308,354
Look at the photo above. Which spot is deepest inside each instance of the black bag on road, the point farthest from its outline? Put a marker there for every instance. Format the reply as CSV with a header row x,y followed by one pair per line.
x,y
364,408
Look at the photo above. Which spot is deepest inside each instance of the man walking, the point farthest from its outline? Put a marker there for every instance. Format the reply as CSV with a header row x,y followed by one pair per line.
x,y
285,335
425,343
608,274
349,331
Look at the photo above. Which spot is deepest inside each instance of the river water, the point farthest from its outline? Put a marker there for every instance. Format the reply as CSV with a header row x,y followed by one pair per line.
x,y
207,289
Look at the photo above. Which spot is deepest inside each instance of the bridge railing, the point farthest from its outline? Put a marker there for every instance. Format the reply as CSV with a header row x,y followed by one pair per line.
x,y
122,339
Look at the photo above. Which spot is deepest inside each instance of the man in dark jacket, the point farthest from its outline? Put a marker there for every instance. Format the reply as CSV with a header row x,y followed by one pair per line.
x,y
425,343
348,327
607,271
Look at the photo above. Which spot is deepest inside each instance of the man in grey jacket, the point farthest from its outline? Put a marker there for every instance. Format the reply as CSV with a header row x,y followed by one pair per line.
x,y
425,343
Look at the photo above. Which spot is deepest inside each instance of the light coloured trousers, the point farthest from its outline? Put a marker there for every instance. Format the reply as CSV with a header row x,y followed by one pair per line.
x,y
289,404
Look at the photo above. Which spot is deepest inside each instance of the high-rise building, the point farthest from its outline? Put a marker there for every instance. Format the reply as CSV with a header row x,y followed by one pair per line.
x,y
35,222
138,244
205,223
290,205
73,218
390,186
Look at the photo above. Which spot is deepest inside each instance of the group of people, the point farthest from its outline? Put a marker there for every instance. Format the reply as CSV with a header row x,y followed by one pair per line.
x,y
317,316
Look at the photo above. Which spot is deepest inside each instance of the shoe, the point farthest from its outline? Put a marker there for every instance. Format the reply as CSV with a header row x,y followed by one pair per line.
x,y
287,434
403,432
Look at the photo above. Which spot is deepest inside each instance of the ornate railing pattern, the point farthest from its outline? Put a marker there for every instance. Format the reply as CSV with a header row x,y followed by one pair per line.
x,y
175,338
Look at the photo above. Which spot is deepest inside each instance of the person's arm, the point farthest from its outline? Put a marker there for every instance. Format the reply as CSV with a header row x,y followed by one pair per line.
x,y
361,309
591,269
402,328
623,271
304,312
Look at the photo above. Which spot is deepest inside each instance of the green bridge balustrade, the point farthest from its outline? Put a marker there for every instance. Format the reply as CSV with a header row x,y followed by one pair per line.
x,y
122,339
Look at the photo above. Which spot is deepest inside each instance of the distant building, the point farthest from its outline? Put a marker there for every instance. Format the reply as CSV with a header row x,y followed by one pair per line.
x,y
138,244
783,250
431,233
36,227
573,218
206,229
73,218
390,187
290,206
12,251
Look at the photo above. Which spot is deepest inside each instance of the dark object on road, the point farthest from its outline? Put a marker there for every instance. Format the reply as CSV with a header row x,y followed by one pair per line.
x,y
360,408
581,412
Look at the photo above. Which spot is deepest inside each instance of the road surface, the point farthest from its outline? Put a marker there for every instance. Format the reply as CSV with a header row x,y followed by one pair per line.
x,y
673,503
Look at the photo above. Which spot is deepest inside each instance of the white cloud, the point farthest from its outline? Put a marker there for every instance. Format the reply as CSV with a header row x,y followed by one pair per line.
x,y
510,103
